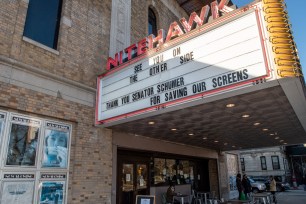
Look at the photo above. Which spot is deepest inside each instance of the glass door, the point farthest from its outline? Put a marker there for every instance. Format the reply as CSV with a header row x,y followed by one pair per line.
x,y
133,181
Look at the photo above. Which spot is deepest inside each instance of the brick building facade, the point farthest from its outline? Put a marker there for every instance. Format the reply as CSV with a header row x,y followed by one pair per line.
x,y
59,85
52,147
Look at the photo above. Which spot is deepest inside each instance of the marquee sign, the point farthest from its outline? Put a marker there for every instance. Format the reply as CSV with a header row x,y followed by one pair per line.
x,y
212,59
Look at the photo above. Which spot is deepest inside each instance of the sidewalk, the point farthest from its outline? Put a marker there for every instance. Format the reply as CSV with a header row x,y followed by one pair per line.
x,y
291,197
300,187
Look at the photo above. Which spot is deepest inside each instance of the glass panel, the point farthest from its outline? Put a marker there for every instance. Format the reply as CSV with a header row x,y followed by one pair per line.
x,y
142,176
42,21
52,192
22,145
17,192
55,149
184,172
159,170
127,177
170,169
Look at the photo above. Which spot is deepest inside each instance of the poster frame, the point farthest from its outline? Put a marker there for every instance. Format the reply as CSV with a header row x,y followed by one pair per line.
x,y
3,128
10,122
53,179
58,127
13,177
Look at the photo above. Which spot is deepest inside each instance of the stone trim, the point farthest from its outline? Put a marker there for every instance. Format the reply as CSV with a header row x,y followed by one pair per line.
x,y
40,45
20,74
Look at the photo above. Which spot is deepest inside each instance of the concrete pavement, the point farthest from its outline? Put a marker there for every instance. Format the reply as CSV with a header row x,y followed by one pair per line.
x,y
291,197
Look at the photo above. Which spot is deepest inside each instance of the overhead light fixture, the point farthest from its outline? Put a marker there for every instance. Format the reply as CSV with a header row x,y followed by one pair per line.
x,y
265,129
216,141
271,134
190,134
233,146
285,143
151,123
225,143
173,129
204,138
281,140
245,116
230,105
256,124
276,138
304,145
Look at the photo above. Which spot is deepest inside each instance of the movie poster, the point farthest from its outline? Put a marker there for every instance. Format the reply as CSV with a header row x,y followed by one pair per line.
x,y
23,141
17,192
56,145
52,192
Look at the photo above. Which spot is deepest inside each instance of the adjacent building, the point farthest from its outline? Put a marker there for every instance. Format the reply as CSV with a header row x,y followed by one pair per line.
x,y
264,162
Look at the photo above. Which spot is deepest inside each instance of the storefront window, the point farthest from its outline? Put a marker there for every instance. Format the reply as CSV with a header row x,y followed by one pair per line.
x,y
168,171
159,170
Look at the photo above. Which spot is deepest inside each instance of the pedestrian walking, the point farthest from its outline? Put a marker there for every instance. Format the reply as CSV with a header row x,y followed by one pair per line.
x,y
239,186
273,188
246,184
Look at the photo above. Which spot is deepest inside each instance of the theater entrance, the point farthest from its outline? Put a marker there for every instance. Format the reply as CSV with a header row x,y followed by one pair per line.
x,y
134,178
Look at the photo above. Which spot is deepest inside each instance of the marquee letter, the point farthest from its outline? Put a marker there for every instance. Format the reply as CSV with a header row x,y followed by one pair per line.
x,y
142,46
215,8
129,50
112,62
174,31
194,17
159,40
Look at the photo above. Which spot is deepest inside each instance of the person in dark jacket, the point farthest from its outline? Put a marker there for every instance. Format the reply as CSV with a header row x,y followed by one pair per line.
x,y
239,185
246,184
170,193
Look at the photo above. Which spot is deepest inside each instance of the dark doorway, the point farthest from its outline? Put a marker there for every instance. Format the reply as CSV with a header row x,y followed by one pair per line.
x,y
132,177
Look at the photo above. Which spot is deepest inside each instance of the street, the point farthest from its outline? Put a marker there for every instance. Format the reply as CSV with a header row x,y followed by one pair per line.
x,y
291,197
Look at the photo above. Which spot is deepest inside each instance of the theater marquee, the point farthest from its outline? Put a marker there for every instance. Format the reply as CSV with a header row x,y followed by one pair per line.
x,y
222,56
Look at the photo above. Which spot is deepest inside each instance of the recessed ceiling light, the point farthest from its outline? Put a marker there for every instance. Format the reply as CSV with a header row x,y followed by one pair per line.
x,y
265,129
216,141
285,143
173,129
190,134
204,138
151,123
225,143
281,140
233,146
271,134
245,116
230,105
256,124
276,138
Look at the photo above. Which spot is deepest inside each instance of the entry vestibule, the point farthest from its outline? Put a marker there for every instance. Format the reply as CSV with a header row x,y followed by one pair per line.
x,y
134,149
150,173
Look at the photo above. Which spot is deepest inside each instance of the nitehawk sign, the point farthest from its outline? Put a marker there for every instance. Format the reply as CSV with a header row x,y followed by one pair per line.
x,y
221,56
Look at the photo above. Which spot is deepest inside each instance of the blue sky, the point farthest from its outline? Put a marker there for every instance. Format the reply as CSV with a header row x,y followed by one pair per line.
x,y
297,17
